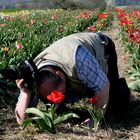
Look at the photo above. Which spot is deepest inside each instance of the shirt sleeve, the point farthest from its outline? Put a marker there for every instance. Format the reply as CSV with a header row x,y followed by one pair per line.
x,y
33,101
89,71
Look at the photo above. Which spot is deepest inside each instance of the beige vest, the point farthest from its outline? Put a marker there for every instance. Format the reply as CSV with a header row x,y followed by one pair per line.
x,y
62,53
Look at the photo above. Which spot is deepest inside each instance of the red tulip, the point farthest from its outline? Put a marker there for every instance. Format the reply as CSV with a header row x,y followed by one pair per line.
x,y
138,41
93,100
103,15
56,97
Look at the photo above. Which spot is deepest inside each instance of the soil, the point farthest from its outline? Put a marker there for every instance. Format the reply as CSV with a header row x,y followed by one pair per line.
x,y
116,128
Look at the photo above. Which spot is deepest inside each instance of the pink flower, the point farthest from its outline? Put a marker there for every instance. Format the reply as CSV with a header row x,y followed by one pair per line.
x,y
92,28
3,24
10,18
32,21
54,17
19,45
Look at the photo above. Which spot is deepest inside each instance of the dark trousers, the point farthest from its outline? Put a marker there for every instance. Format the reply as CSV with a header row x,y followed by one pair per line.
x,y
119,96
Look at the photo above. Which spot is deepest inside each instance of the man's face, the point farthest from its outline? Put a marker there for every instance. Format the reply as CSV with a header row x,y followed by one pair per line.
x,y
47,87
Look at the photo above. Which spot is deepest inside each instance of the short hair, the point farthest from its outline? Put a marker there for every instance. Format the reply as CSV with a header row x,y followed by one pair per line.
x,y
45,74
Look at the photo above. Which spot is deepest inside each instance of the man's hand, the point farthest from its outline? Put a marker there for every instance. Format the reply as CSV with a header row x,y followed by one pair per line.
x,y
23,101
88,122
103,96
101,103
20,85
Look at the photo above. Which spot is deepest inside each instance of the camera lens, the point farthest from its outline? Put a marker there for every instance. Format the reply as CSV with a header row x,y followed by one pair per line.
x,y
10,74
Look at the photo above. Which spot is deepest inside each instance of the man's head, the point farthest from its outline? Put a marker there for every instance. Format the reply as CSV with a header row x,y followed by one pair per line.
x,y
50,78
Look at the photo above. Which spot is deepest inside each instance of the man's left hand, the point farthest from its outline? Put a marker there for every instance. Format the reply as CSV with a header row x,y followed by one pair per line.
x,y
88,122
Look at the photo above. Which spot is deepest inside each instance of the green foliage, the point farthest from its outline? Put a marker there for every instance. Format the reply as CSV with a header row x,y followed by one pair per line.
x,y
130,39
36,30
97,116
135,85
47,119
9,10
135,76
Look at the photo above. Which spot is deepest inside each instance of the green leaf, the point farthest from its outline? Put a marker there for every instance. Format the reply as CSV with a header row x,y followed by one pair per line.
x,y
28,121
134,73
99,114
135,85
41,114
92,114
39,122
43,126
65,117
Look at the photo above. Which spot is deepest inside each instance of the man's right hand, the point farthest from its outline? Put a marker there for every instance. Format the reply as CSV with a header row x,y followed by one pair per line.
x,y
20,85
23,101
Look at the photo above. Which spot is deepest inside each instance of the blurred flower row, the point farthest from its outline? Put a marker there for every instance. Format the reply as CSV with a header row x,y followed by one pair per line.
x,y
25,34
129,21
104,21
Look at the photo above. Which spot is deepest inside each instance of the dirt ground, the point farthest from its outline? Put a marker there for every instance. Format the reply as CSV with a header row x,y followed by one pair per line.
x,y
116,129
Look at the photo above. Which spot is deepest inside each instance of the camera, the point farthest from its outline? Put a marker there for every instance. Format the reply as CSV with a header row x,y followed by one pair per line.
x,y
26,70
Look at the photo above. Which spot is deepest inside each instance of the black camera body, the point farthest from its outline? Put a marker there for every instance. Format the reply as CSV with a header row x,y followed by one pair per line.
x,y
26,70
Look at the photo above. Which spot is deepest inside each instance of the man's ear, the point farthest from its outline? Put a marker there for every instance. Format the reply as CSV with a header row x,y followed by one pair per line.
x,y
60,75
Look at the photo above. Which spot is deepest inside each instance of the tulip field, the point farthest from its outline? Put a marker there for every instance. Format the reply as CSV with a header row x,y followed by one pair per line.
x,y
24,34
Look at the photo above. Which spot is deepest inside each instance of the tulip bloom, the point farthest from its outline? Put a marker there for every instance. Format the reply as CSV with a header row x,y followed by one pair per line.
x,y
93,100
19,45
3,25
56,97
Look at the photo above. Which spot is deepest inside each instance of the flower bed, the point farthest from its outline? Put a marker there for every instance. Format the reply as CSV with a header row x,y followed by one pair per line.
x,y
129,21
104,21
36,30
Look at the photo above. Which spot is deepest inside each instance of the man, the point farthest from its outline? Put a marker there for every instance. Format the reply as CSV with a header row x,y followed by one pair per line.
x,y
80,65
